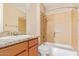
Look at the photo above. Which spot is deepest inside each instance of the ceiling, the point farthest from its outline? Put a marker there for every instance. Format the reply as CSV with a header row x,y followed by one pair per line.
x,y
51,6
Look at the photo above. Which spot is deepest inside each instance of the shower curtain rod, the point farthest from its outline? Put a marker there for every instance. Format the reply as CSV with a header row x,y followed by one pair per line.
x,y
63,7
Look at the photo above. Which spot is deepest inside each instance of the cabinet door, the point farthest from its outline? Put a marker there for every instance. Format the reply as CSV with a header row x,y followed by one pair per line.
x,y
33,51
14,50
25,53
33,42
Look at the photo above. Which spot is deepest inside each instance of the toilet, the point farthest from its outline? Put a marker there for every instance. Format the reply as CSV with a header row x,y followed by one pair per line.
x,y
45,49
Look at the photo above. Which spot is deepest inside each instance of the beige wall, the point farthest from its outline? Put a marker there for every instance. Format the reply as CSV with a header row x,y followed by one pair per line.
x,y
1,17
10,17
43,24
50,28
63,20
42,8
33,19
63,28
74,28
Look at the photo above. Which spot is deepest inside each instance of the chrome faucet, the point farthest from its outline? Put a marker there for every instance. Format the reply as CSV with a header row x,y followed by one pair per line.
x,y
54,34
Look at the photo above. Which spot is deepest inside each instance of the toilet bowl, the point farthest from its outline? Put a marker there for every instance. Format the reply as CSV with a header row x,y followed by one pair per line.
x,y
45,49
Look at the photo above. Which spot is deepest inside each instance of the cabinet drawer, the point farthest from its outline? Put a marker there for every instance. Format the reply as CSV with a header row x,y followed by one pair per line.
x,y
25,53
14,49
33,42
33,51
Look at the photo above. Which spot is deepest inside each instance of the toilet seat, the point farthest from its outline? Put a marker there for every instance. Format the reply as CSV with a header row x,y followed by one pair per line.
x,y
44,49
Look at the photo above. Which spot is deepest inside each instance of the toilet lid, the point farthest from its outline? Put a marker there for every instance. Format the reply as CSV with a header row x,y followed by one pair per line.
x,y
44,47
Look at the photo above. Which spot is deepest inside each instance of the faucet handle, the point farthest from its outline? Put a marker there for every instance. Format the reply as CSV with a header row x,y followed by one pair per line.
x,y
54,34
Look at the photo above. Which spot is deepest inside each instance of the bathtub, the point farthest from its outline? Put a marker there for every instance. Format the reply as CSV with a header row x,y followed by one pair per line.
x,y
59,49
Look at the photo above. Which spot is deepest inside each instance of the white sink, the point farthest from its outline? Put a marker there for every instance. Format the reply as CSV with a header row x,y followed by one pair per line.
x,y
24,36
10,39
7,37
19,37
6,40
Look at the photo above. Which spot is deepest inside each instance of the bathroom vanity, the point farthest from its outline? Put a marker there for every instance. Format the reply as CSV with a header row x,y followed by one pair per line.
x,y
24,47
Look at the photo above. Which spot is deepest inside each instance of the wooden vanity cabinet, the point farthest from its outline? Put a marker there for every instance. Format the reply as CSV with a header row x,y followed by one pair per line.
x,y
14,50
26,48
33,51
25,53
33,47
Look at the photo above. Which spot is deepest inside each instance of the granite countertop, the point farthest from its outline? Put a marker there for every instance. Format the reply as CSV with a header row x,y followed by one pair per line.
x,y
9,40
